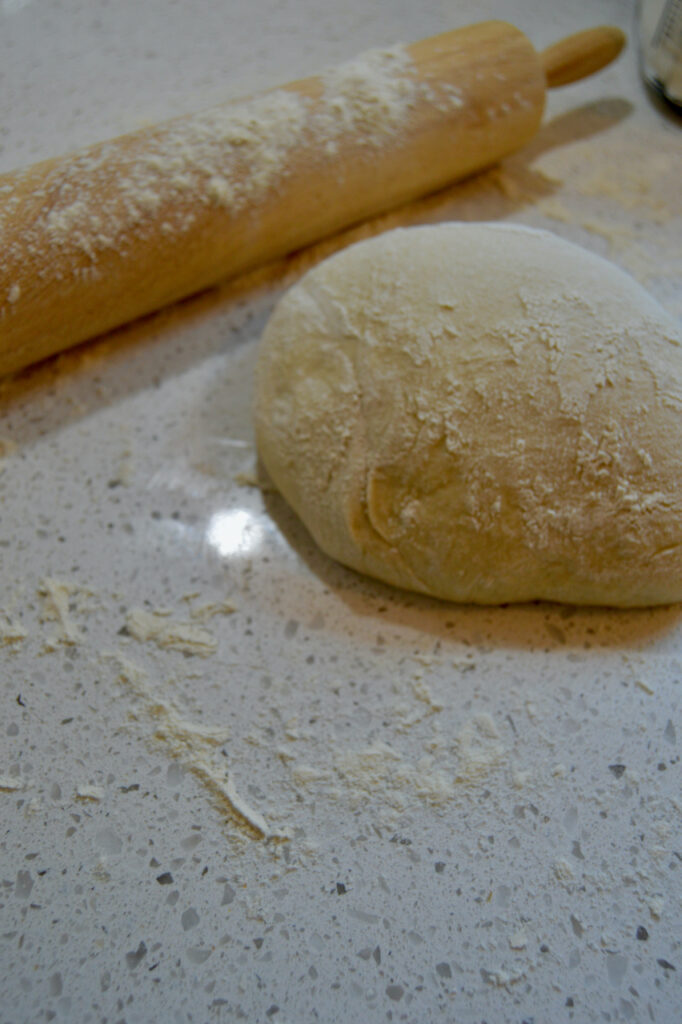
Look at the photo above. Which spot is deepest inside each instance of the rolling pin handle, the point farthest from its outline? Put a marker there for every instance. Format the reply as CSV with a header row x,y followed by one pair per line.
x,y
580,55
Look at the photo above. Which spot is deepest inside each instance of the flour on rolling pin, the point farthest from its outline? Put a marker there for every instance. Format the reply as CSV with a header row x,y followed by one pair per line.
x,y
95,239
227,156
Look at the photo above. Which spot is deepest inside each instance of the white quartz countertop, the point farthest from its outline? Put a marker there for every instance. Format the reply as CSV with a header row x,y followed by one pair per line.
x,y
238,782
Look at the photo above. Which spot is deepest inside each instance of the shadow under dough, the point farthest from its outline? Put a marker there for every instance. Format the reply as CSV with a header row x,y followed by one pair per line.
x,y
526,626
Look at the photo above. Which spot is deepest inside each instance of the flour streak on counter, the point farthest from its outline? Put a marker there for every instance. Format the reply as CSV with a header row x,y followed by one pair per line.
x,y
166,632
11,632
194,744
61,598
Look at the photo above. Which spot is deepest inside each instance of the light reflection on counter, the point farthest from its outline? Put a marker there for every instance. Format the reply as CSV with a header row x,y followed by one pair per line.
x,y
234,532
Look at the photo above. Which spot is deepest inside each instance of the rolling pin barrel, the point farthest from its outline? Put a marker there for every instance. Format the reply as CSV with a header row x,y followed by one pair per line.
x,y
94,239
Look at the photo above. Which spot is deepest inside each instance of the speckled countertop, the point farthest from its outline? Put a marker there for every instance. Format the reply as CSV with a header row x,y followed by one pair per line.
x,y
238,781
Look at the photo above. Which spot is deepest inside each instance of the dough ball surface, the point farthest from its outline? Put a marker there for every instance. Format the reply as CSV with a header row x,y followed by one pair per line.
x,y
481,412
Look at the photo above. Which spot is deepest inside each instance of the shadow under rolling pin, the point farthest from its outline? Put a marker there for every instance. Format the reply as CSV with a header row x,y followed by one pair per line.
x,y
100,237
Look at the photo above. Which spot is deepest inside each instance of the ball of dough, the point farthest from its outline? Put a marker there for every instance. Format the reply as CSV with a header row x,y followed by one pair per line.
x,y
481,412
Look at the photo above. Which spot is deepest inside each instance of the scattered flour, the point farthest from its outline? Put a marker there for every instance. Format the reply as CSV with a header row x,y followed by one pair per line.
x,y
519,940
10,632
62,598
427,705
94,793
160,629
238,804
642,685
369,770
479,747
195,745
380,774
500,978
181,736
209,610
10,783
306,774
422,693
563,871
377,770
520,777
100,871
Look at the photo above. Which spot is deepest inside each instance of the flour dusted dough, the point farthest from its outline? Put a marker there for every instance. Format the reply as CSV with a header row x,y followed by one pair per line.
x,y
480,412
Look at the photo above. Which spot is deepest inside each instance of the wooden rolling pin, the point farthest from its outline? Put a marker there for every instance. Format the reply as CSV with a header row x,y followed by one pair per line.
x,y
97,238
